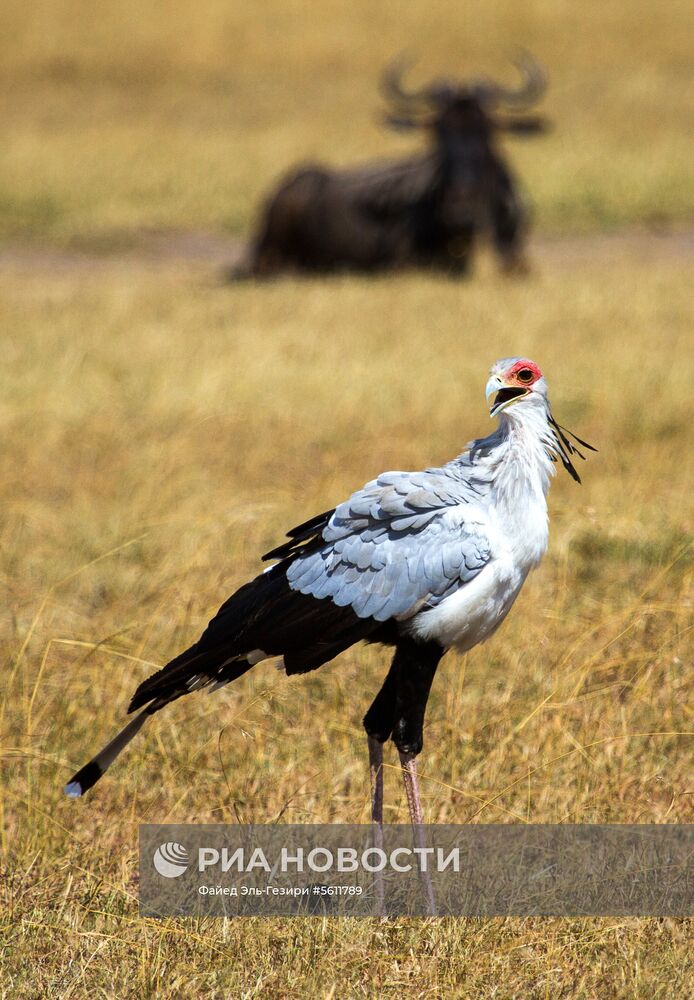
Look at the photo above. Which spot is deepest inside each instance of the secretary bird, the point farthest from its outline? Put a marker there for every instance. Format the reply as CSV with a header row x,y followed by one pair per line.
x,y
421,561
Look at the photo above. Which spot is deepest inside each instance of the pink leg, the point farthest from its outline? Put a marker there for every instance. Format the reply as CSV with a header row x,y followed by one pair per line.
x,y
409,773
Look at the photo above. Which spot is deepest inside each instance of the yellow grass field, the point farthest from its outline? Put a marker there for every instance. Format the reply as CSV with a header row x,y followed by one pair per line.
x,y
161,430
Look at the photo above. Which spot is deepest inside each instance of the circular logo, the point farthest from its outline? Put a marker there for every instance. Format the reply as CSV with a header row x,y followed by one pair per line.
x,y
171,859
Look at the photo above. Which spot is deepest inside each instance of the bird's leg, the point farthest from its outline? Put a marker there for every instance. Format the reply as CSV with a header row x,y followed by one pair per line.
x,y
408,762
409,773
417,665
376,774
378,723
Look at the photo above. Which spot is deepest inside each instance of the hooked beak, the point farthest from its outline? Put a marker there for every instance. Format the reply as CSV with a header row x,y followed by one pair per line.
x,y
505,395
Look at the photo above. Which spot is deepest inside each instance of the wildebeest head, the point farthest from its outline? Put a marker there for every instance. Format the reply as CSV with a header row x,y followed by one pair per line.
x,y
453,108
463,117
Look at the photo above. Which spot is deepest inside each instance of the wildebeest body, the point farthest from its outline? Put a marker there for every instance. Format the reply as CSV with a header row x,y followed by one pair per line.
x,y
424,210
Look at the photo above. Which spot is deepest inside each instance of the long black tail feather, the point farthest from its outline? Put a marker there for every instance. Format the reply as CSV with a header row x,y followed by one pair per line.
x,y
263,619
88,775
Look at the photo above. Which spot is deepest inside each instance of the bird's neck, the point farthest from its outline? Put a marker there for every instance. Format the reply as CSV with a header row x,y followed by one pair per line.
x,y
523,457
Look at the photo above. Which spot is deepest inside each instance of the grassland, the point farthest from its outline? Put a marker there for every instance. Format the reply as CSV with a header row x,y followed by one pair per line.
x,y
160,430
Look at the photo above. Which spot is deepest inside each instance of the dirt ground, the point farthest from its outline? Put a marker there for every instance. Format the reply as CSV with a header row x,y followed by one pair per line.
x,y
217,252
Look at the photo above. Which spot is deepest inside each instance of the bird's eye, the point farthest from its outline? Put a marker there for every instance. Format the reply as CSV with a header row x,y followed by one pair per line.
x,y
525,376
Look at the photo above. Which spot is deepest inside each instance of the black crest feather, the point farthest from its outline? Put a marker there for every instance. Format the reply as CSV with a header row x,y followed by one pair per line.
x,y
566,447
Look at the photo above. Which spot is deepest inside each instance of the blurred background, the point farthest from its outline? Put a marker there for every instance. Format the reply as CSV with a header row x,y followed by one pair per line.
x,y
179,115
162,428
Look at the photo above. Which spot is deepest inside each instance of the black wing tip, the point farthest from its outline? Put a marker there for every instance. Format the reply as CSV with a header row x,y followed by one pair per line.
x,y
143,692
83,780
277,553
313,523
149,689
148,692
302,538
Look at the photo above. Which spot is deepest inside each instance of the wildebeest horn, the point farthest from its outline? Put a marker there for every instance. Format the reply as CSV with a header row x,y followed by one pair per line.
x,y
391,82
532,86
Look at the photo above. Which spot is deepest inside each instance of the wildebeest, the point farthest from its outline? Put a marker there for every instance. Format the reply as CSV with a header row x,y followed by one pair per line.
x,y
423,210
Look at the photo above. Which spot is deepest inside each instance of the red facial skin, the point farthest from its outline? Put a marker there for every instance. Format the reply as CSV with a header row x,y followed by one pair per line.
x,y
511,376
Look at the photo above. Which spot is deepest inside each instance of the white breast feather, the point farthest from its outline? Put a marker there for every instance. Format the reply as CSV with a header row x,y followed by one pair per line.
x,y
517,528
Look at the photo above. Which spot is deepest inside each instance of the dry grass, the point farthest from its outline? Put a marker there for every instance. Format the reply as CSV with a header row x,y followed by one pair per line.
x,y
160,432
179,114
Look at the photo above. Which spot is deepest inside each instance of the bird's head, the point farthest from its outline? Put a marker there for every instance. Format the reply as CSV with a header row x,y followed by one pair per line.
x,y
513,381
518,383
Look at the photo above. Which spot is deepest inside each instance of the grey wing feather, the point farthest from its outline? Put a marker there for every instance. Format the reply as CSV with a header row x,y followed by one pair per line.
x,y
390,549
